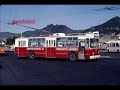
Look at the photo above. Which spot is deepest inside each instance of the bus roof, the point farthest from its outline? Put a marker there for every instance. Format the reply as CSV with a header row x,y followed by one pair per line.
x,y
113,41
79,37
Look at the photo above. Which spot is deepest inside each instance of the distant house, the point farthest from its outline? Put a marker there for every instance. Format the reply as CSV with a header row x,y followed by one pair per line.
x,y
94,34
118,36
2,42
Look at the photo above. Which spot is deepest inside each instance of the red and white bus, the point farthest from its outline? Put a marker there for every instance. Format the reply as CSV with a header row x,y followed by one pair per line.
x,y
59,45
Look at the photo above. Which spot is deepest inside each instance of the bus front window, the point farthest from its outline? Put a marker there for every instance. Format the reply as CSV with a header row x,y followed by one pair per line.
x,y
93,43
87,43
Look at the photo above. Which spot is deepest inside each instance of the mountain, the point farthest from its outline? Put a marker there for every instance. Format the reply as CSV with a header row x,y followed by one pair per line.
x,y
49,29
38,32
4,35
112,26
58,28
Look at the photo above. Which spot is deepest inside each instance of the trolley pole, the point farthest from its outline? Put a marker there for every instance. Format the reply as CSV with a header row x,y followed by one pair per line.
x,y
21,34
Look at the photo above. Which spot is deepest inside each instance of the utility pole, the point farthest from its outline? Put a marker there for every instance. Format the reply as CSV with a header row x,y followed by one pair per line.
x,y
0,16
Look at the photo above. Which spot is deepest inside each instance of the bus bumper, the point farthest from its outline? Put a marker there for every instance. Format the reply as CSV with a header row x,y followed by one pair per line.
x,y
95,57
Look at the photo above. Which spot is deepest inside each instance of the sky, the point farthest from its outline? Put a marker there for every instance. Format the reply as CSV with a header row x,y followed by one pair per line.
x,y
77,17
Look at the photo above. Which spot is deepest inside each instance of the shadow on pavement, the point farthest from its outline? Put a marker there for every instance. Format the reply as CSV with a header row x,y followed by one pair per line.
x,y
0,66
3,54
56,59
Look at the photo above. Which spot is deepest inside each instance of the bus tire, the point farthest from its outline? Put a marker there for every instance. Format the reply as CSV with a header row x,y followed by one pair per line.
x,y
31,55
117,51
72,56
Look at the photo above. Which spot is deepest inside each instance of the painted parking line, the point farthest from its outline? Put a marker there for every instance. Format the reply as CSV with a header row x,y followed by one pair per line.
x,y
106,57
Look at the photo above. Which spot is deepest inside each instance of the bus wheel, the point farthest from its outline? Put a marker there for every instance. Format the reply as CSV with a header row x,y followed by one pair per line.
x,y
117,51
72,56
31,55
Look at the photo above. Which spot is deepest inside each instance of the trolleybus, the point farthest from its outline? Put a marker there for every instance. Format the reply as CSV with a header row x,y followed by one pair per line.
x,y
58,45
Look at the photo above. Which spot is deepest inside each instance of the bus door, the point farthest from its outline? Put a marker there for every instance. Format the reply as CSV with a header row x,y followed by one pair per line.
x,y
18,51
21,49
81,51
50,49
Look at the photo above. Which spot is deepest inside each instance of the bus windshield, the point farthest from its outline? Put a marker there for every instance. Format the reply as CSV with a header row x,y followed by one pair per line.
x,y
94,43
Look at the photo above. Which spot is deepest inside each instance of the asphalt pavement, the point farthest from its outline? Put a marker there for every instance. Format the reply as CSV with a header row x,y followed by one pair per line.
x,y
21,71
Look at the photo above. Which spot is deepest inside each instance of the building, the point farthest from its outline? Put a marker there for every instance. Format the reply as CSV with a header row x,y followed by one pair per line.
x,y
2,42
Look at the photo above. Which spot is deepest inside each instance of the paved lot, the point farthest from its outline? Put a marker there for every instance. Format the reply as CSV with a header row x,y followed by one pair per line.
x,y
105,71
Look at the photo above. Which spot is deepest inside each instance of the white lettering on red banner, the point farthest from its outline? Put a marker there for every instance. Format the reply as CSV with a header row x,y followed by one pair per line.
x,y
35,48
70,49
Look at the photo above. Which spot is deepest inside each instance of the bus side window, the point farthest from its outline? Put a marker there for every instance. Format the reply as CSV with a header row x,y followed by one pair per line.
x,y
54,43
19,43
113,44
60,44
108,44
47,43
117,44
64,43
23,43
